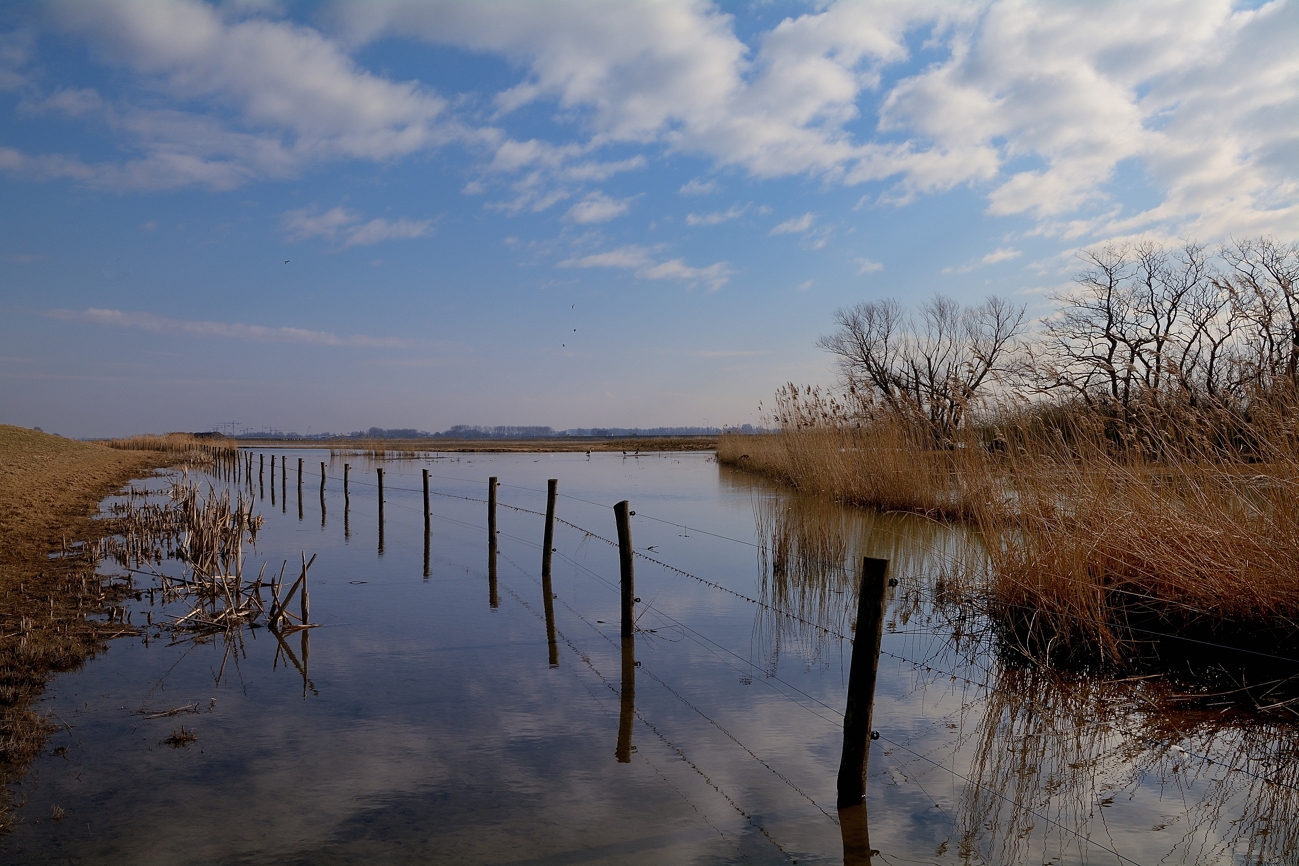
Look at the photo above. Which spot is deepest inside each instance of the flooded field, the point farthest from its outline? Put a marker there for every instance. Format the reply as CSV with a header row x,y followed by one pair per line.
x,y
446,710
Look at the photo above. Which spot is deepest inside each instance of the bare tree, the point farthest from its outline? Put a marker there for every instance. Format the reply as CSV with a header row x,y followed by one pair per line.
x,y
1262,281
929,366
1144,325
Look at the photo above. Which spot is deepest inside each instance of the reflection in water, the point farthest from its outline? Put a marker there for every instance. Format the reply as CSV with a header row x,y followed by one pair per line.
x,y
627,701
448,742
856,836
1065,747
1049,757
493,595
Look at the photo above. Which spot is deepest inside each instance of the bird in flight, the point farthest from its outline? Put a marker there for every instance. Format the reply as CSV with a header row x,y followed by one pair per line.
x,y
286,261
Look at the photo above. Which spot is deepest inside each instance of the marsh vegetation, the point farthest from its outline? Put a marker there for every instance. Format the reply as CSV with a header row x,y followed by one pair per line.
x,y
1131,463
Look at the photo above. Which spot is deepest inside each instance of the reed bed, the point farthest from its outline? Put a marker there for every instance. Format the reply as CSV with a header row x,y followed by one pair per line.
x,y
1097,552
176,443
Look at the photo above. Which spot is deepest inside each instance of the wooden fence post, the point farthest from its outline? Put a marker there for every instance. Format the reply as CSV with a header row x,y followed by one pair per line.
x,y
547,590
622,514
548,536
872,602
491,511
379,472
426,514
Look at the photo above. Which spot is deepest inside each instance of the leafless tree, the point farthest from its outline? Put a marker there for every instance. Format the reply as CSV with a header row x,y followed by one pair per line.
x,y
1262,281
932,365
1145,325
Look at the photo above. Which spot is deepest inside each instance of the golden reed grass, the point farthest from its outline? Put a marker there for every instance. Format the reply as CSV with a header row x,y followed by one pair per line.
x,y
1093,548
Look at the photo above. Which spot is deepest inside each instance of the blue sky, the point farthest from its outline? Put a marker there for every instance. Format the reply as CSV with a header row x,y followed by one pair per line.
x,y
418,214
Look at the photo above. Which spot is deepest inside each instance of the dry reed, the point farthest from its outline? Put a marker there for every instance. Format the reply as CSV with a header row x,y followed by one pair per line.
x,y
1095,548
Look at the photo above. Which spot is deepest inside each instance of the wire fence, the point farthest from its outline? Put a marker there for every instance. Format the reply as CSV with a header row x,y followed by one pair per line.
x,y
727,656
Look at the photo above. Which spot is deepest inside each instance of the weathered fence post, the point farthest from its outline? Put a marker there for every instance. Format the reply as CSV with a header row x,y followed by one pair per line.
x,y
347,467
491,511
626,565
871,605
427,534
426,514
493,597
379,472
322,493
547,591
300,511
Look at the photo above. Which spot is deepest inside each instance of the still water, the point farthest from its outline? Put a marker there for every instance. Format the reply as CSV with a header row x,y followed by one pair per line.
x,y
431,719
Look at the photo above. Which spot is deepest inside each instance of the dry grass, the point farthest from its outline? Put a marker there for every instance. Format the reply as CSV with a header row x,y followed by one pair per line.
x,y
50,488
1092,548
175,443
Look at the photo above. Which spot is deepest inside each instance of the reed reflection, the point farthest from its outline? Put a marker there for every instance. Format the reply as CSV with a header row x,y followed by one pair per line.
x,y
808,548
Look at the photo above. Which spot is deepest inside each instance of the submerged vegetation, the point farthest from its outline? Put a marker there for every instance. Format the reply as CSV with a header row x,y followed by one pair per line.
x,y
1132,462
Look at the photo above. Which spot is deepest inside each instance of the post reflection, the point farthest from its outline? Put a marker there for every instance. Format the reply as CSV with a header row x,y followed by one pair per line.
x,y
493,597
856,835
548,601
627,711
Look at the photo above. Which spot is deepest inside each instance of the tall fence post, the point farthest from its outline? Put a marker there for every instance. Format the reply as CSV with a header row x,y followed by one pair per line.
x,y
284,484
322,493
301,513
622,514
426,513
493,596
491,511
548,546
272,480
379,472
347,468
872,602
547,591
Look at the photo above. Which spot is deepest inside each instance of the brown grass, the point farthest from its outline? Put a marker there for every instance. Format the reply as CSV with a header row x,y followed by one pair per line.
x,y
1094,550
50,488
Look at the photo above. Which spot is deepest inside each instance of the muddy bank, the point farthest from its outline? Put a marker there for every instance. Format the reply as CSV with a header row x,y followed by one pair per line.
x,y
50,489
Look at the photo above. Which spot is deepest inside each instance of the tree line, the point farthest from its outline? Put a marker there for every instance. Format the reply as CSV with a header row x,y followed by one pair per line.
x,y
1149,336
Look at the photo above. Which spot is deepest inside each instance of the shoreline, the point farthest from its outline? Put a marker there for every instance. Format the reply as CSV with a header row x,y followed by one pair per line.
x,y
554,445
50,490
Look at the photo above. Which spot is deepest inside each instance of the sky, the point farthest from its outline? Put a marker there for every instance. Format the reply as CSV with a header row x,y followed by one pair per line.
x,y
577,213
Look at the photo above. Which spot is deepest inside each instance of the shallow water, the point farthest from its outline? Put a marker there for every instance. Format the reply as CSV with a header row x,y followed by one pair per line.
x,y
429,719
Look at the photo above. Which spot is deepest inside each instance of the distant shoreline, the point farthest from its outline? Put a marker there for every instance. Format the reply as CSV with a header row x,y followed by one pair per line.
x,y
550,444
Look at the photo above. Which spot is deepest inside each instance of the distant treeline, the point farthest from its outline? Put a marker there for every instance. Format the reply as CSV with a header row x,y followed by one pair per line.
x,y
470,431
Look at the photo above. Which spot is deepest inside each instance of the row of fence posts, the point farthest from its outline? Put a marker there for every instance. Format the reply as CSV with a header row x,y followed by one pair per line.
x,y
863,670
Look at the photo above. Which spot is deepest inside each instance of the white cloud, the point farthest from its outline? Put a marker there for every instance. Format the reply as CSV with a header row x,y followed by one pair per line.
x,y
699,187
1001,254
226,330
866,266
597,208
639,259
1038,104
1040,107
795,225
803,286
262,98
717,217
339,223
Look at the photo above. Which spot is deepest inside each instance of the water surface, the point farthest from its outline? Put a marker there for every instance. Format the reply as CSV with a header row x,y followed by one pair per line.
x,y
431,719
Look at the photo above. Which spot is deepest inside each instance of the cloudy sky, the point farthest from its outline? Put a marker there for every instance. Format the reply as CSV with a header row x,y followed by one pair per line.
x,y
418,213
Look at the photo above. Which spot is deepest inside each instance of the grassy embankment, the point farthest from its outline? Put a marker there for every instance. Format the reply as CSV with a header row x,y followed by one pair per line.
x,y
1091,548
50,489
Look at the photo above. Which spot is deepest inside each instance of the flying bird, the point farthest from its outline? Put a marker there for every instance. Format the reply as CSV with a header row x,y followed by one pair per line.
x,y
286,261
